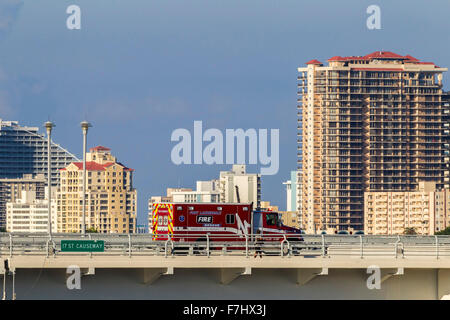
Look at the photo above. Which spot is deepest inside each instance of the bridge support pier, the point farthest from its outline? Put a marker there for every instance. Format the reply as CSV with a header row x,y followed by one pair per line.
x,y
227,275
149,276
306,275
443,284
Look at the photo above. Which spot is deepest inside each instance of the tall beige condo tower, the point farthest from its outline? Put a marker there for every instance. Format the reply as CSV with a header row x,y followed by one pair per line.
x,y
366,123
110,196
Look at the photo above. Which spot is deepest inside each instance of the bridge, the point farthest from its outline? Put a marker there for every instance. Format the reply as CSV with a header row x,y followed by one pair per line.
x,y
139,267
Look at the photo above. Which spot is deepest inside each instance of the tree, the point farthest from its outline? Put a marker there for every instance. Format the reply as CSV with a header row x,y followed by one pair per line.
x,y
2,229
444,232
91,230
410,231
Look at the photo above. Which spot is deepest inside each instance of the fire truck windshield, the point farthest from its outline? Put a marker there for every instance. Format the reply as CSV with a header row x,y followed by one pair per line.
x,y
272,219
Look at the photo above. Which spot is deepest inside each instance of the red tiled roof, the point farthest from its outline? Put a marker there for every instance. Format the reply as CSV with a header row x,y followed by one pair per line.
x,y
384,55
411,58
379,55
125,168
314,61
100,148
94,166
91,165
336,58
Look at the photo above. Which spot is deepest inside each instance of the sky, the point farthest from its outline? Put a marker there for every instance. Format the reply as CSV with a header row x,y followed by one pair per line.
x,y
139,69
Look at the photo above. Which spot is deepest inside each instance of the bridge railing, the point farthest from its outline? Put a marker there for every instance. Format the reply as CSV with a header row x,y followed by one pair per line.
x,y
232,245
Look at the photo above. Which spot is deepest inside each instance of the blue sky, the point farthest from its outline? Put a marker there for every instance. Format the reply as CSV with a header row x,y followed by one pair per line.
x,y
139,69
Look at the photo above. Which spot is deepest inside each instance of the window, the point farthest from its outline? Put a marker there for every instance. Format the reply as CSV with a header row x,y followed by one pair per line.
x,y
230,219
272,219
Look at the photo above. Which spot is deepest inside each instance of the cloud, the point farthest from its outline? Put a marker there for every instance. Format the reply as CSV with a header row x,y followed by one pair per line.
x,y
9,11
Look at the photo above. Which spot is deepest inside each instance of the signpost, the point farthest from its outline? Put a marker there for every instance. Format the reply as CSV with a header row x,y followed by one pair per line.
x,y
82,246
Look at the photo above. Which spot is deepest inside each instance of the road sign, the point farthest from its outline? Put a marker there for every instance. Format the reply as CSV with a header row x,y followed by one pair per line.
x,y
82,245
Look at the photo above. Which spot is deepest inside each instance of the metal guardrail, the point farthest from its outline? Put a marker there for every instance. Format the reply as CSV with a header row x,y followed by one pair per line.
x,y
232,245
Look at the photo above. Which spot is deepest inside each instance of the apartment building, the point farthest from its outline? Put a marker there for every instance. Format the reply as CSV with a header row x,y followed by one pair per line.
x,y
390,213
446,136
110,196
366,123
23,151
29,214
11,190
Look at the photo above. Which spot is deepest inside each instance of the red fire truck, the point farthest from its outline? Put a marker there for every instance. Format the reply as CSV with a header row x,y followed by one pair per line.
x,y
193,221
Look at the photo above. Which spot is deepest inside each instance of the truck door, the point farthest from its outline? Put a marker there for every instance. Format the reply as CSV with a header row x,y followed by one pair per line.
x,y
257,222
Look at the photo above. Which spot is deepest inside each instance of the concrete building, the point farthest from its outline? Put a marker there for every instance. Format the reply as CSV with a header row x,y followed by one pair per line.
x,y
23,151
29,214
110,196
388,213
265,205
446,137
11,190
249,185
366,123
196,196
206,192
290,218
294,193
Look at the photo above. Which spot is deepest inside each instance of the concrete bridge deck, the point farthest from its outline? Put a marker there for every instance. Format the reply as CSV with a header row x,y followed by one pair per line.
x,y
405,269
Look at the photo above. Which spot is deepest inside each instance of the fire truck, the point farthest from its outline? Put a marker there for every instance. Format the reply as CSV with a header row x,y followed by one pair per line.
x,y
221,221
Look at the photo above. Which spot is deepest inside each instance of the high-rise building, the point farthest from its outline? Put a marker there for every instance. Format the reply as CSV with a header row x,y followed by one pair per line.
x,y
11,190
425,210
366,123
248,185
446,136
23,150
29,214
110,196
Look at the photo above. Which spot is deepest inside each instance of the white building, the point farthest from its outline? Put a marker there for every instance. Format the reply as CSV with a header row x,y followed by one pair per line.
x,y
294,192
207,192
249,186
29,214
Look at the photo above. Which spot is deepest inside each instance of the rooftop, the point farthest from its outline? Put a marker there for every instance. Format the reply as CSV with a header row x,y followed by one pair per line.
x,y
377,55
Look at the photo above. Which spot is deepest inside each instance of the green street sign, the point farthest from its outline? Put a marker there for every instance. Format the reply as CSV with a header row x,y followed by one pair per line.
x,y
82,245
